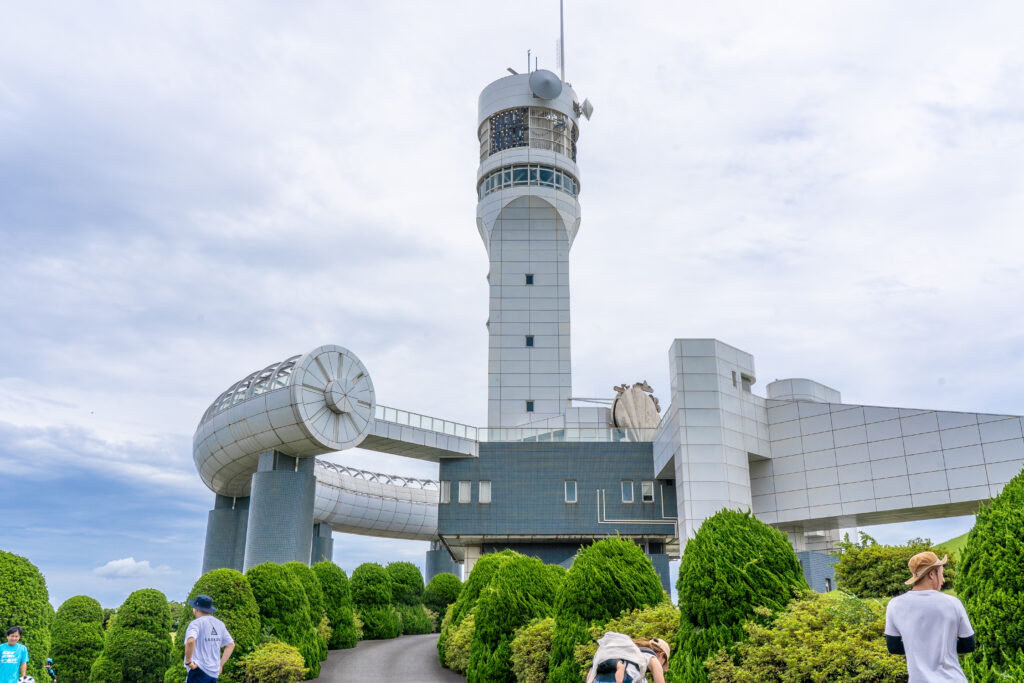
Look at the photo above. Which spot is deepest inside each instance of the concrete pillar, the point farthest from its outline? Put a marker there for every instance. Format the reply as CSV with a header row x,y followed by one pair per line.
x,y
439,561
473,553
323,543
660,562
225,534
280,510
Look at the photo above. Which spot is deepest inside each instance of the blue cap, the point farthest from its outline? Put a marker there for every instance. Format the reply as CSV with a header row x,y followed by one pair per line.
x,y
203,603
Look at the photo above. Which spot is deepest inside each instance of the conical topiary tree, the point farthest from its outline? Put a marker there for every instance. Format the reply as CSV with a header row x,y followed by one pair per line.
x,y
991,580
337,604
372,597
284,610
733,565
25,602
236,607
77,638
137,647
442,591
481,575
315,595
606,578
520,590
407,596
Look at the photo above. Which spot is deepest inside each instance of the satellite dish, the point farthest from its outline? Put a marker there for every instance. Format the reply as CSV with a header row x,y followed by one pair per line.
x,y
587,108
545,84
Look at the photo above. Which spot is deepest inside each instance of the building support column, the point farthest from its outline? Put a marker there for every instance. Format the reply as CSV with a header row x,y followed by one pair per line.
x,y
440,561
225,534
660,562
323,543
280,510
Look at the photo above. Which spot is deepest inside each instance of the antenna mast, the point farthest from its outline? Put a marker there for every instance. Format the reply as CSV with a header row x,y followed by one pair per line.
x,y
561,41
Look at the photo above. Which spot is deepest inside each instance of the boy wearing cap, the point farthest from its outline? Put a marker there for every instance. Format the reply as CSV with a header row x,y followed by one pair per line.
x,y
204,638
927,626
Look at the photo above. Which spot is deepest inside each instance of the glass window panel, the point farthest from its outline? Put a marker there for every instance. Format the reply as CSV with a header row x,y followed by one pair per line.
x,y
570,491
533,175
547,177
446,492
647,491
520,175
627,491
485,492
465,491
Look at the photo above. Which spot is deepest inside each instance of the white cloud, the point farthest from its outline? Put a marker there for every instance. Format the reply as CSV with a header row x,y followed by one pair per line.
x,y
129,568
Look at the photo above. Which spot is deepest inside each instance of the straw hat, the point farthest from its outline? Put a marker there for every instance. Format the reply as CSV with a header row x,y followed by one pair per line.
x,y
920,564
659,644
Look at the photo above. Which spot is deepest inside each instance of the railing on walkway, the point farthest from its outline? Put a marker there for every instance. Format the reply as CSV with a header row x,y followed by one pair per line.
x,y
379,477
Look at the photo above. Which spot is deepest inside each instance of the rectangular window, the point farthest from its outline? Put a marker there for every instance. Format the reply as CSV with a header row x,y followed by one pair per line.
x,y
529,340
747,382
465,491
828,585
485,492
529,406
647,491
627,491
446,492
570,491
529,278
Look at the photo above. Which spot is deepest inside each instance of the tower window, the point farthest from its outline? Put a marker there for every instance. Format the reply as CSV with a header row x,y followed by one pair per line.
x,y
570,490
627,491
647,491
485,492
529,278
529,406
446,492
529,340
465,491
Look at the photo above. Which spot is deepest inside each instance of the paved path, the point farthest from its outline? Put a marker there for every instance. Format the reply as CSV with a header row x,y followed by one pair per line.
x,y
409,659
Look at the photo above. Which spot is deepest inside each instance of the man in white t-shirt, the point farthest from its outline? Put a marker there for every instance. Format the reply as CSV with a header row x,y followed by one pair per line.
x,y
927,626
204,638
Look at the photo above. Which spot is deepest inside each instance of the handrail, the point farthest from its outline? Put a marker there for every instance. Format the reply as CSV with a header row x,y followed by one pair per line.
x,y
379,477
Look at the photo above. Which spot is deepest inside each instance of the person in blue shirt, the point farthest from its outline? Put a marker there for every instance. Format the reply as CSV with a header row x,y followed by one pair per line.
x,y
13,657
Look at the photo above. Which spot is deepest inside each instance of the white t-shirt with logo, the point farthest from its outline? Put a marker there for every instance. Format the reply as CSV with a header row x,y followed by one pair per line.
x,y
211,635
929,623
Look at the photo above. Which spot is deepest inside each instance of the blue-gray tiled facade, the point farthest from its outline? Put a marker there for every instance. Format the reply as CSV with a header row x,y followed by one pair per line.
x,y
819,569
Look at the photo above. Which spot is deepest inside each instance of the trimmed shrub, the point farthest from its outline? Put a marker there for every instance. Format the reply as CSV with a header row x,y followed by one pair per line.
x,y
77,638
406,583
273,662
372,596
520,590
442,591
415,620
137,648
25,602
460,643
315,596
735,564
991,580
284,610
236,607
380,622
870,570
819,637
477,580
660,621
337,604
531,649
606,579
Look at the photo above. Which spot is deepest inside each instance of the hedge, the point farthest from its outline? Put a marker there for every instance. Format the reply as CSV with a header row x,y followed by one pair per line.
x,y
477,580
137,647
77,638
315,596
991,580
372,597
273,662
607,578
284,610
406,583
819,637
337,604
25,602
415,620
442,591
531,649
870,570
459,646
520,590
734,565
236,607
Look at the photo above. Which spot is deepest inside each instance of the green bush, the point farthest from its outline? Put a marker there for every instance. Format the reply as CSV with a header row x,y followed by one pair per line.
x,y
660,621
819,637
870,570
520,590
137,647
991,581
606,579
531,649
284,610
406,583
77,638
25,602
442,591
380,622
273,662
735,564
337,604
415,620
460,642
236,607
315,596
482,573
371,586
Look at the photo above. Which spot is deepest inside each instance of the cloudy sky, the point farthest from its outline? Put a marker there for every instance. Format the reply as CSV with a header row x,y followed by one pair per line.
x,y
190,191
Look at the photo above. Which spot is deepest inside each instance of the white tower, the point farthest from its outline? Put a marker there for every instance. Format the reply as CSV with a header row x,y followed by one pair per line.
x,y
528,215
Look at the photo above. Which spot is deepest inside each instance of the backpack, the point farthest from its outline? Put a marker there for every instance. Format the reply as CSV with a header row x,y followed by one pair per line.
x,y
614,645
